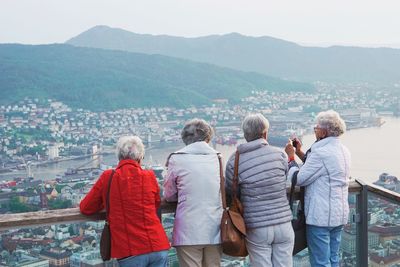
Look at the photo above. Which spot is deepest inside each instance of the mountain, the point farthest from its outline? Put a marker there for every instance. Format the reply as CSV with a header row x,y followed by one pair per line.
x,y
265,55
101,79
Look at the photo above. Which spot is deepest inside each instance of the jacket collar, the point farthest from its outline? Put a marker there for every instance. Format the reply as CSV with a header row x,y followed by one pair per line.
x,y
128,161
198,148
252,145
325,141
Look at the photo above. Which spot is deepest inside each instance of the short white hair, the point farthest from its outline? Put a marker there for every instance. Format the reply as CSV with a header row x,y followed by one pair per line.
x,y
254,126
130,147
332,122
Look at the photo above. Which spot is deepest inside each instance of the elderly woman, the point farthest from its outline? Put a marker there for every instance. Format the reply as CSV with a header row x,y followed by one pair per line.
x,y
193,180
262,187
325,175
137,236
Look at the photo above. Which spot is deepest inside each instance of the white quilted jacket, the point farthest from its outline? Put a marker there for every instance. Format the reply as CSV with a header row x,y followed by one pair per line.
x,y
325,174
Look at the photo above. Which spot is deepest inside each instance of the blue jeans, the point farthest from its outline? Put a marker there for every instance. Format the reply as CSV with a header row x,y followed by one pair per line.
x,y
153,259
323,245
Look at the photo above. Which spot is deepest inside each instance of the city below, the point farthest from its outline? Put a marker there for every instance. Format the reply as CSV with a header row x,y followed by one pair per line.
x,y
73,146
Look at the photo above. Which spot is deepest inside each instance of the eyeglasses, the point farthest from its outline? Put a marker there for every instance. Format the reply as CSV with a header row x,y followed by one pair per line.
x,y
317,127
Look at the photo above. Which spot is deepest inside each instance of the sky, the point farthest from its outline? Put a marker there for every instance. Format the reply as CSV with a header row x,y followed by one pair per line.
x,y
309,22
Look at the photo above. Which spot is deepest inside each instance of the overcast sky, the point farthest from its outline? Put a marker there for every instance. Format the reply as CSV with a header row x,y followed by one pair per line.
x,y
318,22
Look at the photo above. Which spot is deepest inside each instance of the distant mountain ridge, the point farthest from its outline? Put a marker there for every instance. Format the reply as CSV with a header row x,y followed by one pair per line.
x,y
100,79
265,55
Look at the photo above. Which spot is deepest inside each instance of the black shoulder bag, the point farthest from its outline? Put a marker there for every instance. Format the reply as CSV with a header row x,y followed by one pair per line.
x,y
299,220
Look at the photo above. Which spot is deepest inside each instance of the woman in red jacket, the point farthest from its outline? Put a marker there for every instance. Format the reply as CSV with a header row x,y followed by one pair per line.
x,y
137,235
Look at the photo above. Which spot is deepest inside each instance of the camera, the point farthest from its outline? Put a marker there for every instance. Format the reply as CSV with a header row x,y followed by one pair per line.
x,y
295,142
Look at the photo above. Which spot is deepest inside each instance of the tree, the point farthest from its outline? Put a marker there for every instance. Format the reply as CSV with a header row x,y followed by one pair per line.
x,y
16,206
55,204
78,185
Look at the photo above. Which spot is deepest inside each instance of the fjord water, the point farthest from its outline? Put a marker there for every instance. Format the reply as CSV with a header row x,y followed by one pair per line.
x,y
374,151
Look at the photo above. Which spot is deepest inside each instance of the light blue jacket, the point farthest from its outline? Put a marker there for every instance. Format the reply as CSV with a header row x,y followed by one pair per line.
x,y
325,174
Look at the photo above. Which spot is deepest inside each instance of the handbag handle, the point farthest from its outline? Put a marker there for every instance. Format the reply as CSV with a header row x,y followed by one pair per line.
x,y
108,196
234,182
235,179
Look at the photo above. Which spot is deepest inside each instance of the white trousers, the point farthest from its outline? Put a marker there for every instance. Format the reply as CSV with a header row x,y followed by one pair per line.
x,y
271,246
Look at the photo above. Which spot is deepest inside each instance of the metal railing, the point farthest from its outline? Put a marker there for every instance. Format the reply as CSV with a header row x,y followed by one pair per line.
x,y
357,187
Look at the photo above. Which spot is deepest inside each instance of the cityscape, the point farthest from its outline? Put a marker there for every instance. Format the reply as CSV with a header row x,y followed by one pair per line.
x,y
76,76
42,133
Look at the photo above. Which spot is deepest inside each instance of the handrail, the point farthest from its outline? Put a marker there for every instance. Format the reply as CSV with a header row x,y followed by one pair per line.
x,y
38,218
361,220
383,192
48,217
354,186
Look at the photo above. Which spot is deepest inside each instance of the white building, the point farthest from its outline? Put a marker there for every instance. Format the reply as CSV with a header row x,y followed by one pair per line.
x,y
53,152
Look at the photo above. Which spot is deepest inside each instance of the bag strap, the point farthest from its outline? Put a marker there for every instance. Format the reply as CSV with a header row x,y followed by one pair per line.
x,y
292,191
234,182
222,182
108,196
170,155
235,179
182,153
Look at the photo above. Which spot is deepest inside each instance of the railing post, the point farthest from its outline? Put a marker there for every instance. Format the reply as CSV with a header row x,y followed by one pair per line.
x,y
362,226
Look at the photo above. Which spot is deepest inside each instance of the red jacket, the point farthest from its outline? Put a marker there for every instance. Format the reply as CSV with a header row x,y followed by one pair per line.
x,y
134,199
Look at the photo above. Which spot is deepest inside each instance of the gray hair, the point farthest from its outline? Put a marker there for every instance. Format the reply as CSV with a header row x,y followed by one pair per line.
x,y
196,130
254,126
130,147
332,122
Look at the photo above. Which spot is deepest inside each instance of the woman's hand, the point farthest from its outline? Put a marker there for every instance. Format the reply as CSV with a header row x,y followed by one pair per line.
x,y
289,149
297,144
299,151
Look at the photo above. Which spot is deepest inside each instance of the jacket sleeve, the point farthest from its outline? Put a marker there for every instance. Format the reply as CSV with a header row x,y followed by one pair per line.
x,y
170,189
93,201
293,167
311,170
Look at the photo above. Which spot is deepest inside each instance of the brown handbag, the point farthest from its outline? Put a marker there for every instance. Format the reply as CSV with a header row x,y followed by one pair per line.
x,y
105,240
233,228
